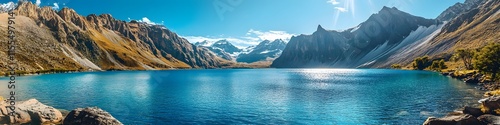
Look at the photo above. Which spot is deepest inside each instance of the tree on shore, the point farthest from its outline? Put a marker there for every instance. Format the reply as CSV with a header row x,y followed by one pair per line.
x,y
488,60
438,65
466,55
420,63
442,65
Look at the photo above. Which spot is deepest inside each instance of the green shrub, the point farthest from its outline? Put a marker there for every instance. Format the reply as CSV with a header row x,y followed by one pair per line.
x,y
488,60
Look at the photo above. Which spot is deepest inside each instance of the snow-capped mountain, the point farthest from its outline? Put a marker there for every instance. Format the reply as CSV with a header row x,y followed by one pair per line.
x,y
265,50
221,48
6,7
204,43
226,46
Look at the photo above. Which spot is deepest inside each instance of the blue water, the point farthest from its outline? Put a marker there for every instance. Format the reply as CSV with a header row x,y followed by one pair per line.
x,y
254,96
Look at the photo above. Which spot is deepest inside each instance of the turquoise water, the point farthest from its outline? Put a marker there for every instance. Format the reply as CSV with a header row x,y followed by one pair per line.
x,y
254,96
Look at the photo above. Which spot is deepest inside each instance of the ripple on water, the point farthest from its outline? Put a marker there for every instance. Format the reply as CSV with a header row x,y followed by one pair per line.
x,y
256,96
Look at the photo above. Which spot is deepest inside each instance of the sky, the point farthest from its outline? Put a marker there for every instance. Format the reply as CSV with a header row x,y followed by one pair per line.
x,y
247,22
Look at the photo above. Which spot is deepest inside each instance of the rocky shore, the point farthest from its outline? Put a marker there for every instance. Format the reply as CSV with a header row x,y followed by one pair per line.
x,y
34,112
488,113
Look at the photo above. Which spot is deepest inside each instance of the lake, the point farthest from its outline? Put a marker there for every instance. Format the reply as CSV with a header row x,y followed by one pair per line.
x,y
254,96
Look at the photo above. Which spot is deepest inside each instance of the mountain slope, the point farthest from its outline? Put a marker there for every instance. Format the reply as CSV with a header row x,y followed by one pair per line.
x,y
472,30
458,9
65,40
471,25
221,48
264,51
355,47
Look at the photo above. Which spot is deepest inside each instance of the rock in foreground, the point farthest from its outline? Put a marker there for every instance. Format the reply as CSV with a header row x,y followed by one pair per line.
x,y
489,119
30,111
491,104
90,116
464,119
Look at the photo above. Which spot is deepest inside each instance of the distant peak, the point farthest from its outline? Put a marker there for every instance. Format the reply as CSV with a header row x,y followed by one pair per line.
x,y
224,41
278,40
389,8
320,28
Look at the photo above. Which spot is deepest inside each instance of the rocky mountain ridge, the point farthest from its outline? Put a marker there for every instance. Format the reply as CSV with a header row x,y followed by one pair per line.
x,y
50,39
395,37
382,34
264,51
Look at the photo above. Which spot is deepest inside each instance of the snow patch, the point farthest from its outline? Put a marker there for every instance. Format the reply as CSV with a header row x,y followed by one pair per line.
x,y
6,7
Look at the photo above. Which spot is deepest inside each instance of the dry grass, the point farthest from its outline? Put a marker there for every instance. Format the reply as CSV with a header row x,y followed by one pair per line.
x,y
133,58
492,93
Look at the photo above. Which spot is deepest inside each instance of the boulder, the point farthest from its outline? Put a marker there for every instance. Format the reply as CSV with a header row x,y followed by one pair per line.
x,y
489,119
90,116
453,120
490,104
21,117
30,111
476,112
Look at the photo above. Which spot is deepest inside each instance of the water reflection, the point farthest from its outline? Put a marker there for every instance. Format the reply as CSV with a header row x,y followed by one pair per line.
x,y
271,96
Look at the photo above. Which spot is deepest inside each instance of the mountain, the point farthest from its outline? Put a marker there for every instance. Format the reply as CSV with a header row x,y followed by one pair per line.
x,y
221,48
49,39
371,41
265,50
397,38
471,29
458,9
6,7
226,46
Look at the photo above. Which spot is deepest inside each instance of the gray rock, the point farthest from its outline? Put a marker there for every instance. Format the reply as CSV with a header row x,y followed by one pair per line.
x,y
90,116
476,112
453,120
491,104
30,111
489,119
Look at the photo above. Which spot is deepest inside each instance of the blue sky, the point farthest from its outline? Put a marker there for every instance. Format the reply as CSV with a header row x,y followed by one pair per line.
x,y
246,22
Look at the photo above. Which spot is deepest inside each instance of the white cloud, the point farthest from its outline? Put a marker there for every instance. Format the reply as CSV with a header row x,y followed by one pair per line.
x,y
56,6
146,20
341,9
333,2
269,35
252,37
38,2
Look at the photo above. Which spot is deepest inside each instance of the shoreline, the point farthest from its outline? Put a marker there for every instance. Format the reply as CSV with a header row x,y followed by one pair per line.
x,y
489,106
433,73
24,73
